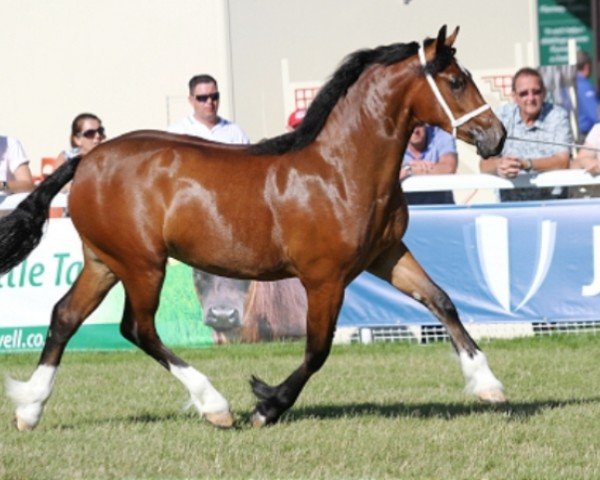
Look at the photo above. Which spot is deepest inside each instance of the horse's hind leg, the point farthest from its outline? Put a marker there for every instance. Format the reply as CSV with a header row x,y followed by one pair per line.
x,y
68,314
400,268
142,290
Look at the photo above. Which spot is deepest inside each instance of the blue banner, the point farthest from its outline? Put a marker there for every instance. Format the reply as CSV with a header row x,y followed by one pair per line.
x,y
522,262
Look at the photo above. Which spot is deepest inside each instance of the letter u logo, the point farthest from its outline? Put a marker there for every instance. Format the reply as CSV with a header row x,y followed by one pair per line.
x,y
494,257
594,287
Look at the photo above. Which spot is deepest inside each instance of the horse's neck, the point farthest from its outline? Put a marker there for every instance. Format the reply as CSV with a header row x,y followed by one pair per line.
x,y
370,127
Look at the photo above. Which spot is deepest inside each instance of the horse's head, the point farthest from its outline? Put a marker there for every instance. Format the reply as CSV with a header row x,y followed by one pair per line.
x,y
251,311
449,98
223,300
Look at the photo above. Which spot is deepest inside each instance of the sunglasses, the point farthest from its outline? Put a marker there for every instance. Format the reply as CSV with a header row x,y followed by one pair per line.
x,y
92,132
204,98
523,93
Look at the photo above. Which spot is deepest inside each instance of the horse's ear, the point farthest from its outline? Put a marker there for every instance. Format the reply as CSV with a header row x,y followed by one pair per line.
x,y
452,38
441,39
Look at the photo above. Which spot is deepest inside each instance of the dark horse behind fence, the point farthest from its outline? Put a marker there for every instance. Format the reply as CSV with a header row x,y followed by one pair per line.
x,y
322,203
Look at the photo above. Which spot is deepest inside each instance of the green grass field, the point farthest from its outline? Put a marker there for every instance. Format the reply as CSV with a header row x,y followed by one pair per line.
x,y
374,411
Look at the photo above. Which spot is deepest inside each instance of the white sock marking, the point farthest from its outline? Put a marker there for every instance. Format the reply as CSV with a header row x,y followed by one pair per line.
x,y
477,373
203,395
29,397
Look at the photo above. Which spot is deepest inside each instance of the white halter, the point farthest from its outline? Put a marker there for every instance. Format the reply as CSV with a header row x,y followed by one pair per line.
x,y
436,91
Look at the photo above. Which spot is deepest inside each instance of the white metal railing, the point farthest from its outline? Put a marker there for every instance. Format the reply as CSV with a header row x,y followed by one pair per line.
x,y
427,183
9,202
555,178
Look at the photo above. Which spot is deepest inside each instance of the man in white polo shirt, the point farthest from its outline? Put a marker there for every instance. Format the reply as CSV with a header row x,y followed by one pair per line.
x,y
204,121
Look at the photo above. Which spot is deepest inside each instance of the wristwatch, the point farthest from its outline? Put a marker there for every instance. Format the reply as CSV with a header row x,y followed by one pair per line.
x,y
528,165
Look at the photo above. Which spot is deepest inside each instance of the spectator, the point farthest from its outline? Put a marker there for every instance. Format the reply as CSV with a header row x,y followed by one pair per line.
x,y
15,175
295,118
588,103
588,160
204,121
529,117
430,150
86,132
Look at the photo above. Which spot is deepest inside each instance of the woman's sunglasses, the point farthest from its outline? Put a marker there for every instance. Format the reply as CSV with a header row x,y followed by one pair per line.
x,y
92,132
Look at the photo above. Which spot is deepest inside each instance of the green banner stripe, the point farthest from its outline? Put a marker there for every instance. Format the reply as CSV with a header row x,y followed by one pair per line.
x,y
104,336
95,336
178,321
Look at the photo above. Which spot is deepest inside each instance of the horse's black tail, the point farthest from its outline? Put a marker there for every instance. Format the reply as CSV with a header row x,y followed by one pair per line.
x,y
22,230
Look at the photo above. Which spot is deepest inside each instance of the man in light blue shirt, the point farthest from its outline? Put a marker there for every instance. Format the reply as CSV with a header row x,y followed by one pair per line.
x,y
530,118
430,150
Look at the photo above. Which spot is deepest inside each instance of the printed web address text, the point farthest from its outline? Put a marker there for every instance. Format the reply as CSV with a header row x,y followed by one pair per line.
x,y
20,340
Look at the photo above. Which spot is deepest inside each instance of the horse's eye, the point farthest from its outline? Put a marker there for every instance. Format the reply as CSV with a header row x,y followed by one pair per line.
x,y
456,83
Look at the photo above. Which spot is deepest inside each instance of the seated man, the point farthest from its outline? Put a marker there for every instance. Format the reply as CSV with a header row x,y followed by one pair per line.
x,y
529,117
430,150
15,175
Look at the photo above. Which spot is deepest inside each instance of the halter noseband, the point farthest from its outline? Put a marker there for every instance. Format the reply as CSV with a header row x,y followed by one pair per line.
x,y
455,122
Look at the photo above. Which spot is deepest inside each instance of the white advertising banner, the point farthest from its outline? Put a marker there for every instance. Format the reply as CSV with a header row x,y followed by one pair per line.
x,y
29,291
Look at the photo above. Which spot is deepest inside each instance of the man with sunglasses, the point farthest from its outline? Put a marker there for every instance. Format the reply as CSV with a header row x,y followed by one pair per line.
x,y
204,121
529,117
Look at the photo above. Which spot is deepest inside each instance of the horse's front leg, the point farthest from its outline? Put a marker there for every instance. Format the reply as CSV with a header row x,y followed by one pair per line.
x,y
142,292
401,269
324,304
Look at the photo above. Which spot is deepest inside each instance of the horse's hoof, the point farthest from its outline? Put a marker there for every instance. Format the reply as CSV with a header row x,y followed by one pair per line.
x,y
492,396
220,419
21,425
257,420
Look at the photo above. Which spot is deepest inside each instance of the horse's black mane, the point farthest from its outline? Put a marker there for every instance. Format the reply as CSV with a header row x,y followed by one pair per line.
x,y
338,85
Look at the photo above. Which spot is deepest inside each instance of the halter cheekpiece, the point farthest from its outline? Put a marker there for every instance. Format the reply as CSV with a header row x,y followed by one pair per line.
x,y
455,122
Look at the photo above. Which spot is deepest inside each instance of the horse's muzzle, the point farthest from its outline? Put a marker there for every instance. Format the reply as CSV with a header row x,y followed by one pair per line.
x,y
223,318
489,142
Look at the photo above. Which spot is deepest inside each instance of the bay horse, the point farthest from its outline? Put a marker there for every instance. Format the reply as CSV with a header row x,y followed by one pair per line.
x,y
322,203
